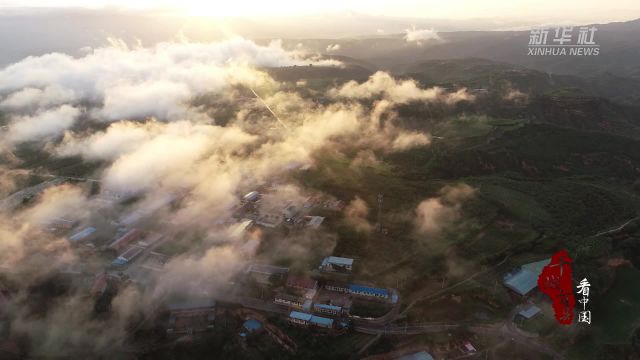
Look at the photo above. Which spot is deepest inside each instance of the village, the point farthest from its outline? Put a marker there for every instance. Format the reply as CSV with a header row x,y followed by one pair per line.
x,y
326,300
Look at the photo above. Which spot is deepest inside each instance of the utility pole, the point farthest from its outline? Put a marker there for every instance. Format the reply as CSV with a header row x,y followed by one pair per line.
x,y
379,212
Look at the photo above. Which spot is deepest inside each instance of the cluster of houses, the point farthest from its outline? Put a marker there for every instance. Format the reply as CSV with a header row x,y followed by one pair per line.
x,y
132,244
306,319
316,303
522,283
290,214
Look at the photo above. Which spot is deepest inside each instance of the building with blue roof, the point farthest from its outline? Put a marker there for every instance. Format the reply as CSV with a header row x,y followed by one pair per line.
x,y
299,318
327,309
529,312
368,291
82,235
126,257
119,262
252,326
523,281
321,322
336,263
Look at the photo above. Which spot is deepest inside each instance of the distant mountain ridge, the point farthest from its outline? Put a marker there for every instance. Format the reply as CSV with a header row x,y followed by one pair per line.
x,y
619,50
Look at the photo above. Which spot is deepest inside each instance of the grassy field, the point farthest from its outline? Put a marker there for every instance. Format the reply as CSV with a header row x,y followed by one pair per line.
x,y
317,345
614,317
618,312
472,125
538,188
365,308
563,205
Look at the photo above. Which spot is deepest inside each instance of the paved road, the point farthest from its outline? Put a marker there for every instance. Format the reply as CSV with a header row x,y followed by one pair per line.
x,y
619,228
498,329
520,339
15,199
442,291
393,329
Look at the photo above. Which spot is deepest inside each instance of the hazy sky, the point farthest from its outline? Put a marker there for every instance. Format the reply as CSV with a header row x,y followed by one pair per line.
x,y
579,11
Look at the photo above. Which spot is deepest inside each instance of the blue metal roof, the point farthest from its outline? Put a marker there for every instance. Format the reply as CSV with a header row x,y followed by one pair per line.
x,y
522,282
367,289
337,260
82,234
119,261
526,279
321,321
536,267
529,312
252,325
328,307
300,316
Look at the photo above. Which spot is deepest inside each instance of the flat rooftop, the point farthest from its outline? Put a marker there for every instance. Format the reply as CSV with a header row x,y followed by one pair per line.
x,y
337,260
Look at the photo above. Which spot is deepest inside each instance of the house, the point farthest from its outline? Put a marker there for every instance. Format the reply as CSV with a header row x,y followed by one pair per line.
x,y
266,274
251,327
269,220
362,290
149,239
301,282
188,318
525,279
290,211
252,196
59,225
321,322
292,301
335,263
100,284
313,222
529,312
82,235
121,243
327,309
468,348
144,240
335,205
299,318
305,319
131,253
338,287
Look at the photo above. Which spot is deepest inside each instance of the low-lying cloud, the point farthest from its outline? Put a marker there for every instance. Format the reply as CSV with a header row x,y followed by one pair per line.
x,y
122,82
381,84
356,213
148,139
434,214
42,125
421,35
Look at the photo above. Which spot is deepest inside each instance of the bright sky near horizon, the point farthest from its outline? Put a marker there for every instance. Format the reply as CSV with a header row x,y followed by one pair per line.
x,y
581,10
